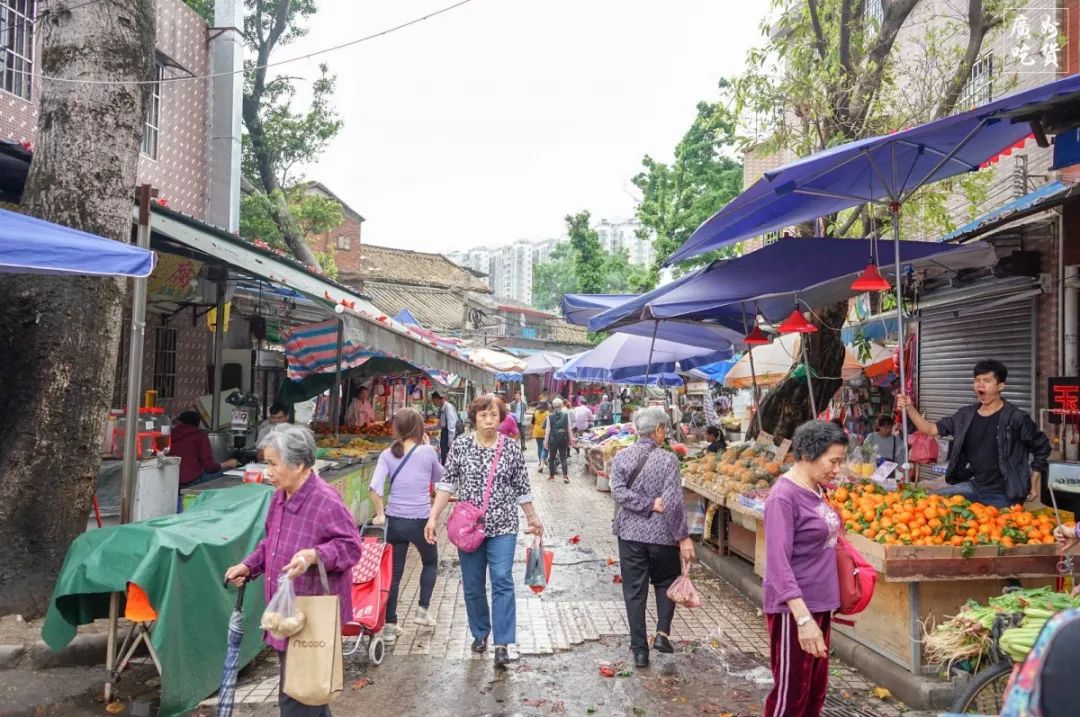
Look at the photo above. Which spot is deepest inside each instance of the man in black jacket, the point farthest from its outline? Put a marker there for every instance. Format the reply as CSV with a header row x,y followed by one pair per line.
x,y
998,455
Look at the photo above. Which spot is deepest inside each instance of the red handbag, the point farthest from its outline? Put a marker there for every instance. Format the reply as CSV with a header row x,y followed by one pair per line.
x,y
857,578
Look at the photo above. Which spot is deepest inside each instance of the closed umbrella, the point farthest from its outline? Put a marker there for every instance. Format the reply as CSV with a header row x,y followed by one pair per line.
x,y
227,693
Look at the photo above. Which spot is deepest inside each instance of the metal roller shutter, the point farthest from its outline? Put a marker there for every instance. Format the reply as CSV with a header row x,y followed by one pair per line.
x,y
957,329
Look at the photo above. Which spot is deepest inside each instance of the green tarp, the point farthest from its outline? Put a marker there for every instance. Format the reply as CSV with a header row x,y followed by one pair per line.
x,y
179,560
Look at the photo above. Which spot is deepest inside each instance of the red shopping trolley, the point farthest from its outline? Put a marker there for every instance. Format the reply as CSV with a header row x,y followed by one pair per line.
x,y
371,587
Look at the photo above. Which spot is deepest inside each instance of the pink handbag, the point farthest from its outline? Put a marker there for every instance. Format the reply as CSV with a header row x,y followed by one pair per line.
x,y
466,524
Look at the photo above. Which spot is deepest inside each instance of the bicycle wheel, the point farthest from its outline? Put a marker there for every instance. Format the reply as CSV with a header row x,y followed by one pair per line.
x,y
985,692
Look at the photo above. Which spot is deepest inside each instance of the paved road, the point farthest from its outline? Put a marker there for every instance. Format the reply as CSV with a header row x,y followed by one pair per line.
x,y
564,634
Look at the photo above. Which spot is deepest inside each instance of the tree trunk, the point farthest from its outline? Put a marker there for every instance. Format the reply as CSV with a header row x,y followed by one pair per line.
x,y
59,336
788,404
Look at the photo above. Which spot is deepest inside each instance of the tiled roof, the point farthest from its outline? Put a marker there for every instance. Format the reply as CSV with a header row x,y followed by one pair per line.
x,y
439,309
515,306
415,268
561,332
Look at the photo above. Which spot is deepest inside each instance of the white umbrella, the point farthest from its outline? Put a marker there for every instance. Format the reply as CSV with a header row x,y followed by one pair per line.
x,y
771,362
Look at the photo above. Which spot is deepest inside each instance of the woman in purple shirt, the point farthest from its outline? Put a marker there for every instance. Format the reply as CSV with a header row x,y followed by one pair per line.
x,y
411,468
307,523
801,587
651,526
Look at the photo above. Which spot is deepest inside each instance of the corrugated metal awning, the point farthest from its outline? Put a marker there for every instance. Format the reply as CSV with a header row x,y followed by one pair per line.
x,y
176,233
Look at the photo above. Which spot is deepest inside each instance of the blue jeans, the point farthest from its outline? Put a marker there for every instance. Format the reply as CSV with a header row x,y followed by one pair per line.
x,y
976,493
495,557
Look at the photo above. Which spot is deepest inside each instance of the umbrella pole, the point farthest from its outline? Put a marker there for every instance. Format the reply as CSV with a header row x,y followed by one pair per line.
x,y
753,377
652,345
809,381
894,209
335,397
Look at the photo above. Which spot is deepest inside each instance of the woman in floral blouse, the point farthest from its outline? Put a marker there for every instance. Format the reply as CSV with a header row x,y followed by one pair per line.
x,y
467,470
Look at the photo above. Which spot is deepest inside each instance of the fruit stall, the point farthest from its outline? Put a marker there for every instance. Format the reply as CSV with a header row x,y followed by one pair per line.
x,y
601,444
932,553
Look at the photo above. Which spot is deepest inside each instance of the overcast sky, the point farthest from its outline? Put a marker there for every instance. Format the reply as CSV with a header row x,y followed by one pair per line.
x,y
491,122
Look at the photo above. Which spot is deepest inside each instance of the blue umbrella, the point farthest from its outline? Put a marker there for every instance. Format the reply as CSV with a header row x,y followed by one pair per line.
x,y
624,356
887,170
577,309
227,693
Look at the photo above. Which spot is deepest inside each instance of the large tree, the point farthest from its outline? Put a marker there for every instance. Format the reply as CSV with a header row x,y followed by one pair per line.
x,y
279,138
676,198
556,276
828,74
588,253
59,337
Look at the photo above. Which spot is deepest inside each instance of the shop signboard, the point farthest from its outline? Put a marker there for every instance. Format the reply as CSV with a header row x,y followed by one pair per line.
x,y
175,278
1064,398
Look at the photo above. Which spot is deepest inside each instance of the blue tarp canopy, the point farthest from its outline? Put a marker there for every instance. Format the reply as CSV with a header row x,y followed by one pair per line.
x,y
877,169
1044,197
405,317
817,271
33,246
623,356
508,376
714,371
877,328
577,309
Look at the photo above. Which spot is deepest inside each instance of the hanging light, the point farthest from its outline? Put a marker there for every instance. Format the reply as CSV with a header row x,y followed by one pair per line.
x,y
796,323
871,280
757,337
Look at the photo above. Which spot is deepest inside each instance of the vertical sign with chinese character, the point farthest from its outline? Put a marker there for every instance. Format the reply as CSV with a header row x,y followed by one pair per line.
x,y
1064,397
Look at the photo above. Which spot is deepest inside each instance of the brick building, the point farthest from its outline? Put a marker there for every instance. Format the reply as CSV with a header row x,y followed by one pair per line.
x,y
344,239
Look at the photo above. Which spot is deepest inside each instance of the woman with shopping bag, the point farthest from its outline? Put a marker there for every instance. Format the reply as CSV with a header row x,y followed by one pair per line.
x,y
802,586
312,539
487,472
650,523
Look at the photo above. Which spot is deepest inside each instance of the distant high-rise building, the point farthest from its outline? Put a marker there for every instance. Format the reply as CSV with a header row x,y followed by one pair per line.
x,y
616,236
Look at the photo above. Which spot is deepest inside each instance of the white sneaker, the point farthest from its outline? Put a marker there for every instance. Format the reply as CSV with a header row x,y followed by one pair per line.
x,y
391,632
423,618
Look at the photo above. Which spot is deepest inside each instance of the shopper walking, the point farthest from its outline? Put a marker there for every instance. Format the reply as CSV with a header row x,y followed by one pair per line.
x,y
999,455
518,408
583,418
605,411
801,586
448,424
476,460
307,524
405,474
539,425
651,527
557,439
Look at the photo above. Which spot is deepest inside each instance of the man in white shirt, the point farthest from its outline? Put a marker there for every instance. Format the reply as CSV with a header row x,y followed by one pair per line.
x,y
448,423
583,418
278,413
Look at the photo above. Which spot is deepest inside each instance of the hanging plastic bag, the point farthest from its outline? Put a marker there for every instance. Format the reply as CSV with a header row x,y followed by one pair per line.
x,y
538,566
282,618
682,591
924,449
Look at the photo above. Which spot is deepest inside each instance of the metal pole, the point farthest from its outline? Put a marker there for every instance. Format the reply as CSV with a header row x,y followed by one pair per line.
x,y
753,375
809,381
131,428
335,395
219,356
648,366
894,209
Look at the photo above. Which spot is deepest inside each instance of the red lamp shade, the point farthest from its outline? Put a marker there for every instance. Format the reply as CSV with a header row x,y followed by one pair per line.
x,y
796,323
757,337
871,280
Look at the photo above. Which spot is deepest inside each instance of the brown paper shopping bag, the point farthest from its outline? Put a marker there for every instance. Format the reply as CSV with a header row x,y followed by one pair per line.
x,y
313,669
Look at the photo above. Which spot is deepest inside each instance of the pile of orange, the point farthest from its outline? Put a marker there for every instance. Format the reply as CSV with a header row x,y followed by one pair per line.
x,y
912,517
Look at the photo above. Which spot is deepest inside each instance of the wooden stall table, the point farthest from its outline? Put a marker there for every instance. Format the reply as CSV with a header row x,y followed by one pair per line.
x,y
917,584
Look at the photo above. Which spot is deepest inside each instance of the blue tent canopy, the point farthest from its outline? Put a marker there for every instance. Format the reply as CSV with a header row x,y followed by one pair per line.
x,y
577,309
623,356
818,271
876,169
33,246
405,317
714,371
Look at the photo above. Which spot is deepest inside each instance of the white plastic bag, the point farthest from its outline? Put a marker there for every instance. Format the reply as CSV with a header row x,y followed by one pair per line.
x,y
282,617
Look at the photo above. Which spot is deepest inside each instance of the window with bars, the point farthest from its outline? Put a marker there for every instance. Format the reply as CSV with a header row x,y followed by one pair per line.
x,y
165,362
17,43
979,89
152,126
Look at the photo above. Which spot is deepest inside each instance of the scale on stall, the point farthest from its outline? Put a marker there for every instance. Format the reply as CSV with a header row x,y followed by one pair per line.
x,y
245,417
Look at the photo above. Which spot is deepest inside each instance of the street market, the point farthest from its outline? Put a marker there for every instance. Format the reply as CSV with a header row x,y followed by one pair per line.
x,y
801,438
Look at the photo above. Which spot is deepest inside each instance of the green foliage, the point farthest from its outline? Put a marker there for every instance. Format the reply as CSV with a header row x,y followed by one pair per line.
x,y
313,213
677,198
205,9
554,278
589,259
328,261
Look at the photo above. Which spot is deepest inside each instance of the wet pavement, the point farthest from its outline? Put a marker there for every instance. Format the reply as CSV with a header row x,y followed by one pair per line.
x,y
565,635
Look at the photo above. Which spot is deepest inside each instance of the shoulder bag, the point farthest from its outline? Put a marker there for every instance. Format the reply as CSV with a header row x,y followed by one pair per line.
x,y
465,527
857,577
633,477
